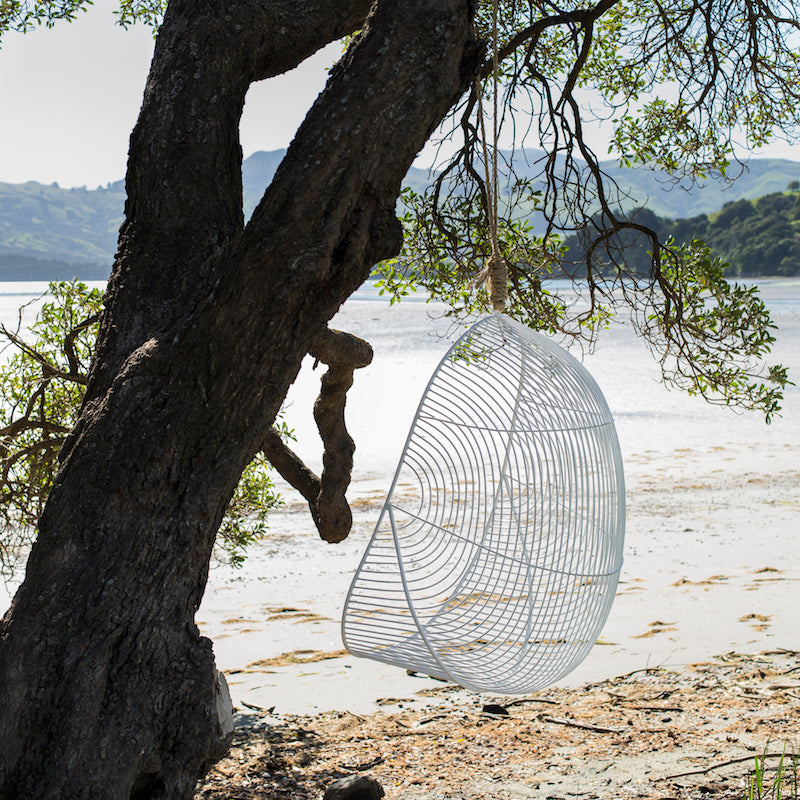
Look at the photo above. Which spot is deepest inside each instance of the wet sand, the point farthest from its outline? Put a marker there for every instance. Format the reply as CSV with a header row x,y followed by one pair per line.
x,y
711,566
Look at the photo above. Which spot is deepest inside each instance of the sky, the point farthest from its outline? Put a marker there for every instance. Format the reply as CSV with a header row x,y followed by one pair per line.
x,y
70,95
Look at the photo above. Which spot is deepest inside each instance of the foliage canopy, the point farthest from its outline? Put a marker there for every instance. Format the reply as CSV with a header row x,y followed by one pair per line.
x,y
24,15
41,387
681,83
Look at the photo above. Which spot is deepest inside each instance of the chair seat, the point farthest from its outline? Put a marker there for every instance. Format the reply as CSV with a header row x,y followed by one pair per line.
x,y
497,553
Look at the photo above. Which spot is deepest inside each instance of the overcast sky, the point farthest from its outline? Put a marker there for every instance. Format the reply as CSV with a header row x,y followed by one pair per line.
x,y
69,97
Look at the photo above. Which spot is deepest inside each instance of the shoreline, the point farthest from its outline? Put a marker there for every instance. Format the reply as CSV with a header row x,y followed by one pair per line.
x,y
709,568
654,733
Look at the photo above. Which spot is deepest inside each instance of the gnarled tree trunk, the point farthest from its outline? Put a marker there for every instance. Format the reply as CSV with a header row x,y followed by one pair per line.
x,y
108,691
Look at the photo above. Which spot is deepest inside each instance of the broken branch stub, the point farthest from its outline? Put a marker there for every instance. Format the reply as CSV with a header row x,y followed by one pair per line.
x,y
343,353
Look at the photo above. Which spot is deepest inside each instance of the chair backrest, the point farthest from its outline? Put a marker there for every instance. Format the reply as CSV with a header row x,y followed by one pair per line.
x,y
496,556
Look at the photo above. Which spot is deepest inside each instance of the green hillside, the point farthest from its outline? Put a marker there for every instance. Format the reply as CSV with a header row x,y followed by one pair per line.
x,y
47,232
756,237
66,225
657,192
760,237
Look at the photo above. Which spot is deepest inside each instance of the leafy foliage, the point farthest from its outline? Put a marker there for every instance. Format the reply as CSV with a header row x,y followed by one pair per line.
x,y
681,81
24,15
151,12
246,517
760,237
41,388
712,339
446,264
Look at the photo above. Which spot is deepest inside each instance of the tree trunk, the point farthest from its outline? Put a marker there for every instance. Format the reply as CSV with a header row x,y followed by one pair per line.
x,y
108,689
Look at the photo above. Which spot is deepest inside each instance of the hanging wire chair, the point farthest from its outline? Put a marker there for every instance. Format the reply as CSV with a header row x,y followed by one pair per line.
x,y
496,556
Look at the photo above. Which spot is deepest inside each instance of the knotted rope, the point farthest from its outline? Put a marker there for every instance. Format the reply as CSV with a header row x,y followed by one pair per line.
x,y
495,272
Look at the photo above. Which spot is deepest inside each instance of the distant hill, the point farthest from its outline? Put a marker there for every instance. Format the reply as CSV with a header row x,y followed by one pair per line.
x,y
47,230
658,193
49,233
754,237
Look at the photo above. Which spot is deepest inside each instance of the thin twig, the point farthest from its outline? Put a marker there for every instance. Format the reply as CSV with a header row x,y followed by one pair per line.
x,y
363,767
721,764
524,700
582,725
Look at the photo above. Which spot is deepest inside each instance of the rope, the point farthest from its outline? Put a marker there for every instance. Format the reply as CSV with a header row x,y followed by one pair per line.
x,y
495,272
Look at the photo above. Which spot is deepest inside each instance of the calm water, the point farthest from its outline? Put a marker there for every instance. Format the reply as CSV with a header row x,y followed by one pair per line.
x,y
410,338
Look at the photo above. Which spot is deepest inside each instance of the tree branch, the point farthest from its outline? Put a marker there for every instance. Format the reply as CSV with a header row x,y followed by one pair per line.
x,y
69,344
184,180
343,353
49,370
290,466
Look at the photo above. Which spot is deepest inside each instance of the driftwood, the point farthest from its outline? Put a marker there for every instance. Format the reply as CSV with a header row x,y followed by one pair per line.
x,y
343,354
571,723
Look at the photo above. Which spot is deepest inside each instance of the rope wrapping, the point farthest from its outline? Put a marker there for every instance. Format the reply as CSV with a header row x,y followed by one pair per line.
x,y
497,281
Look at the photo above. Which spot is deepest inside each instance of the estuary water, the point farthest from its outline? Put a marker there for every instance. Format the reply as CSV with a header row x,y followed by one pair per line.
x,y
410,338
713,524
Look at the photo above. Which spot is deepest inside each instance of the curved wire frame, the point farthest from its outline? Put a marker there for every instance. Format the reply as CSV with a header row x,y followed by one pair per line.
x,y
496,556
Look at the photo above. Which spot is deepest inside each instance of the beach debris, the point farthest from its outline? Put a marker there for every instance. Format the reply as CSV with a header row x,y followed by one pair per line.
x,y
669,733
573,723
260,709
656,628
374,762
354,787
494,710
296,616
412,673
758,622
744,760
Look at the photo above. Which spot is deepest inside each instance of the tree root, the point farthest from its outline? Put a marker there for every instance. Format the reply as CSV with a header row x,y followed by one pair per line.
x,y
343,353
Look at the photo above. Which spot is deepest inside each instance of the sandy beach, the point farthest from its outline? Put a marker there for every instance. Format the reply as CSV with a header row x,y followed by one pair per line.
x,y
713,526
696,673
657,733
711,568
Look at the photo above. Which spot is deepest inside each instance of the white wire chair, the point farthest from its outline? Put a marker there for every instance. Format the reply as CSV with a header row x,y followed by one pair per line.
x,y
496,556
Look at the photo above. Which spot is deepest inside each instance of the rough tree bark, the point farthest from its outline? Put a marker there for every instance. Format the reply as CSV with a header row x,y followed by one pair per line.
x,y
108,689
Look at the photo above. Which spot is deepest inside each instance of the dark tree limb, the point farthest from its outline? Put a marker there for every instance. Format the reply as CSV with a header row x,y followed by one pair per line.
x,y
188,209
291,466
109,690
343,353
75,367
